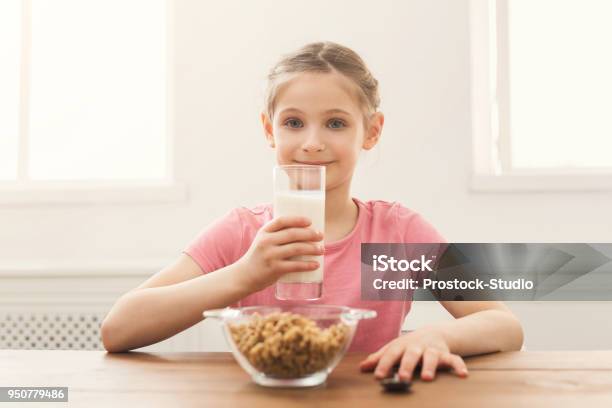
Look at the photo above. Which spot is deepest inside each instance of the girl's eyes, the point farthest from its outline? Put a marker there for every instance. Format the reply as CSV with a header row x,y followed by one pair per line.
x,y
336,124
332,124
293,123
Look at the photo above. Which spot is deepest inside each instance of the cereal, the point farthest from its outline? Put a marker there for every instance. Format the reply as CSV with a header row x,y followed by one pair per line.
x,y
288,345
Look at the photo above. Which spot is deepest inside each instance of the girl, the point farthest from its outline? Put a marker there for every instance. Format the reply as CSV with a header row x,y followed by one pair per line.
x,y
321,108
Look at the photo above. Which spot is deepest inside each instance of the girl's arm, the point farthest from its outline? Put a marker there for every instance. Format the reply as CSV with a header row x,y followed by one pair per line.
x,y
168,303
174,299
480,327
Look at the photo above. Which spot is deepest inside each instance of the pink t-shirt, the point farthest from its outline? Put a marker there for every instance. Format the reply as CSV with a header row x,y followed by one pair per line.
x,y
227,239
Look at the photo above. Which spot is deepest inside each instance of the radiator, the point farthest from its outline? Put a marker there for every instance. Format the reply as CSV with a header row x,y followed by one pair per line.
x,y
50,331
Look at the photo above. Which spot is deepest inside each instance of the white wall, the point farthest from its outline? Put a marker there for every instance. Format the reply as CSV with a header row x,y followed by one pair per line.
x,y
419,51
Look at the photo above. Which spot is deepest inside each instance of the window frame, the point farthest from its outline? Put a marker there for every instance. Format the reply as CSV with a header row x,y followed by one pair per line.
x,y
491,150
24,191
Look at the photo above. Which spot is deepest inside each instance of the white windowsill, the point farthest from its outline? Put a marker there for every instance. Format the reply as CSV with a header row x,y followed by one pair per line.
x,y
35,193
81,268
534,183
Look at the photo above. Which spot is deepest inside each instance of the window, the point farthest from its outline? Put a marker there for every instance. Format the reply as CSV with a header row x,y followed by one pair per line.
x,y
541,88
83,91
9,84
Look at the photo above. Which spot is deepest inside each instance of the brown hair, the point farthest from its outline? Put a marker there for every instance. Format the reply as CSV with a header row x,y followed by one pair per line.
x,y
324,57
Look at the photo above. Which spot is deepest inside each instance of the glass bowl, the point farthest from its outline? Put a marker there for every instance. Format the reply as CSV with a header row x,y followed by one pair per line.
x,y
289,346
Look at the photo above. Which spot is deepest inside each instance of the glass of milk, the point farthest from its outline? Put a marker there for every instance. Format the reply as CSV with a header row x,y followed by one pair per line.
x,y
299,190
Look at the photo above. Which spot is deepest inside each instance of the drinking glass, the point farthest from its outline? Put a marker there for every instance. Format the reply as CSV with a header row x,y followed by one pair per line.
x,y
299,190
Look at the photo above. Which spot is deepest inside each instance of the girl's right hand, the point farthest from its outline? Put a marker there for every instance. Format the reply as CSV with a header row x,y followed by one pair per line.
x,y
269,256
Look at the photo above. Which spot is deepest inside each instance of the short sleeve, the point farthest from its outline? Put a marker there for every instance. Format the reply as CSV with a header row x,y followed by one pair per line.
x,y
219,244
415,229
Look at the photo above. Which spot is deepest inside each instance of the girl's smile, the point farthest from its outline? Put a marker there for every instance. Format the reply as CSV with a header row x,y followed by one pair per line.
x,y
318,163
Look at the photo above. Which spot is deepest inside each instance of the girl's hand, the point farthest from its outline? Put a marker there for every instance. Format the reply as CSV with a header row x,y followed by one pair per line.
x,y
269,256
423,345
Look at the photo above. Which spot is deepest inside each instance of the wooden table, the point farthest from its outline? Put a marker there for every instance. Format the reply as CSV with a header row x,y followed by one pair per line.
x,y
517,379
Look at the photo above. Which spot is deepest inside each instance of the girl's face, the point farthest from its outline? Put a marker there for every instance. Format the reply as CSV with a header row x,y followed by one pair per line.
x,y
318,120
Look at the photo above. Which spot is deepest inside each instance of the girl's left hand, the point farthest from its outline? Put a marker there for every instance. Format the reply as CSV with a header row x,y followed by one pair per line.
x,y
423,344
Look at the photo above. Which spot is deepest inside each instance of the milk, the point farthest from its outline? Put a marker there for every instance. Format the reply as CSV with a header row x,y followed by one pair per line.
x,y
310,204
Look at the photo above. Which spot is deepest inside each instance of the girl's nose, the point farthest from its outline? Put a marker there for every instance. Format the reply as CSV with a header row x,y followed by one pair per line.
x,y
313,144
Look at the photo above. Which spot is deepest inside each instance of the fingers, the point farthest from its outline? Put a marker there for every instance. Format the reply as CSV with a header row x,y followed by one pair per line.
x,y
387,361
432,359
370,362
300,248
410,359
293,234
280,223
456,363
435,359
430,364
298,266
